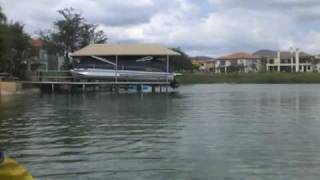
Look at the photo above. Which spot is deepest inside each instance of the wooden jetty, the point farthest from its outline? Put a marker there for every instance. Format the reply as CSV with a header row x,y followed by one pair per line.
x,y
67,83
112,86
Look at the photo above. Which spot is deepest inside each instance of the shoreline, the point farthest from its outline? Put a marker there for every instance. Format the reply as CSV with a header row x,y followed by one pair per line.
x,y
250,78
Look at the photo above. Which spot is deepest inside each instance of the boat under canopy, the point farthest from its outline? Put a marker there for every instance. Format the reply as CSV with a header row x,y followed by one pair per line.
x,y
109,74
124,62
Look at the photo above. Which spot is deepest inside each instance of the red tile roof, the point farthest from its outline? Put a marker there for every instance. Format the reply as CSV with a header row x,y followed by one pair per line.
x,y
284,54
238,55
37,43
204,61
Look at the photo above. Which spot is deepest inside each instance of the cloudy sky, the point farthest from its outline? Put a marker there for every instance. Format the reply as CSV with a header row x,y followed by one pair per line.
x,y
200,27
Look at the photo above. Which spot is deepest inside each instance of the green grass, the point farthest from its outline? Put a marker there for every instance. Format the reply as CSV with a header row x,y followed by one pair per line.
x,y
50,76
251,78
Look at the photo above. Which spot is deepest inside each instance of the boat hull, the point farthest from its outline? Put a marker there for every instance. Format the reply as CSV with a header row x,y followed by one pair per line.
x,y
109,74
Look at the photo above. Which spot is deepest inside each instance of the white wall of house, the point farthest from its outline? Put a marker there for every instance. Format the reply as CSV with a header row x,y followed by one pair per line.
x,y
248,64
296,66
60,62
228,63
317,67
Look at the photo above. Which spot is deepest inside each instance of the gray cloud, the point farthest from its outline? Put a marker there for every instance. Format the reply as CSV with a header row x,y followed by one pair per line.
x,y
301,10
267,5
211,27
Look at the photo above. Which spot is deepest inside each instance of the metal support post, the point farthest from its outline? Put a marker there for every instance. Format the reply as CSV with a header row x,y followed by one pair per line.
x,y
167,73
83,87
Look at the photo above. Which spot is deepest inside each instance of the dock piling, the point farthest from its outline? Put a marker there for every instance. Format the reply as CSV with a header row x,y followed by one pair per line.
x,y
153,88
83,87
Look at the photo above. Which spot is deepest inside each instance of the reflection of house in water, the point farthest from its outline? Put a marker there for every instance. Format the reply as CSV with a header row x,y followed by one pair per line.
x,y
238,62
43,60
286,61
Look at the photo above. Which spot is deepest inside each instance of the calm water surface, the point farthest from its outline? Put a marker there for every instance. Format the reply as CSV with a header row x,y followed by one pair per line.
x,y
226,132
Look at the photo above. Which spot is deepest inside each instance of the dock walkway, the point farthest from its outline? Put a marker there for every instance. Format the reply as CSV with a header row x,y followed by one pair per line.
x,y
100,85
93,83
58,80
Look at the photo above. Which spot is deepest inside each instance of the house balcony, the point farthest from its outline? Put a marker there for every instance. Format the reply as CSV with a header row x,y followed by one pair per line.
x,y
289,67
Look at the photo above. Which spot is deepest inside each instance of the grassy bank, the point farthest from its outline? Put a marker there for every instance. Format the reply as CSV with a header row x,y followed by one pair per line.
x,y
254,78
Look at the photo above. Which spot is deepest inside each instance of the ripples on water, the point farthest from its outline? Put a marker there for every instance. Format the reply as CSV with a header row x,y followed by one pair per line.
x,y
202,132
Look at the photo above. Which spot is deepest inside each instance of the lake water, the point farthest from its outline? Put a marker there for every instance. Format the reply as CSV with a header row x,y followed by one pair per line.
x,y
231,132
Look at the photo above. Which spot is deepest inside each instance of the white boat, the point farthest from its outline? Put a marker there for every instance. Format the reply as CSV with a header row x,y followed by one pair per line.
x,y
111,74
146,68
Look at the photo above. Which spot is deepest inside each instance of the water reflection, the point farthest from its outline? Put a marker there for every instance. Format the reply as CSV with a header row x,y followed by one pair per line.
x,y
204,132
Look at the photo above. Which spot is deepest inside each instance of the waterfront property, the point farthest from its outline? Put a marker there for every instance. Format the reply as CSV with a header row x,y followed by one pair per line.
x,y
40,60
238,62
115,66
205,64
316,63
286,61
43,60
123,62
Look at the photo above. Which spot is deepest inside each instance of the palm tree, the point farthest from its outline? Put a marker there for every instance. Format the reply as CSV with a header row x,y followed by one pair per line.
x,y
2,16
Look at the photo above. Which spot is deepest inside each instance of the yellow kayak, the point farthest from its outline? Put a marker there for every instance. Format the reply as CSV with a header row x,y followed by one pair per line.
x,y
12,170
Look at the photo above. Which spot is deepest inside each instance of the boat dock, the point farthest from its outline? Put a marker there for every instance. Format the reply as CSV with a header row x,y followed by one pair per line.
x,y
110,86
130,66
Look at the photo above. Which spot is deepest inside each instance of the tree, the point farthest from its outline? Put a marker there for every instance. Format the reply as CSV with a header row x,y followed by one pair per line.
x,y
2,21
181,62
15,49
71,33
2,16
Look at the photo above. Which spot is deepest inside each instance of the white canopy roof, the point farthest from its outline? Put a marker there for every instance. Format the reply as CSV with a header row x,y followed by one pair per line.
x,y
124,50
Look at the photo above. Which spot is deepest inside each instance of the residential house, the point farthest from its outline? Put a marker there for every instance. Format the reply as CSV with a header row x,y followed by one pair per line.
x,y
206,64
286,61
40,60
238,62
43,60
316,63
317,56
